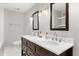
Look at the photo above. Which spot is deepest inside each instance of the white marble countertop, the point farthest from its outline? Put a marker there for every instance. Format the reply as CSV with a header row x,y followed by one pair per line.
x,y
50,45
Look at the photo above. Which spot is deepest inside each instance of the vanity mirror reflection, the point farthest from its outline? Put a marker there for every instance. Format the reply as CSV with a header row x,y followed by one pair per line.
x,y
59,16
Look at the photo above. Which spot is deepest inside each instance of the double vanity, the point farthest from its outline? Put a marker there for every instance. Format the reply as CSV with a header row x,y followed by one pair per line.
x,y
41,46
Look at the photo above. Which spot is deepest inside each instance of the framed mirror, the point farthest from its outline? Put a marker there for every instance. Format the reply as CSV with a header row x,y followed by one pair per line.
x,y
35,20
59,16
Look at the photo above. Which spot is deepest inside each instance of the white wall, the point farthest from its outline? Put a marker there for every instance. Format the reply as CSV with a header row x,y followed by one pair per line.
x,y
45,24
27,23
13,26
1,26
74,25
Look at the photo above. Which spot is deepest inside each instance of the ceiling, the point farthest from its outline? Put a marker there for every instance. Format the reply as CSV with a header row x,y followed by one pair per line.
x,y
18,7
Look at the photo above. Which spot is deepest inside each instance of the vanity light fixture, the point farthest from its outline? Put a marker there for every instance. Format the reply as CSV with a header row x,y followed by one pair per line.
x,y
45,11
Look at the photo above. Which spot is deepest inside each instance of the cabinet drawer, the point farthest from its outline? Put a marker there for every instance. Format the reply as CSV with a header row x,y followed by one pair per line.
x,y
43,52
31,46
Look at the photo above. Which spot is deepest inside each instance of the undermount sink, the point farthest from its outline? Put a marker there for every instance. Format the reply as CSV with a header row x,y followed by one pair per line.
x,y
48,41
51,43
54,41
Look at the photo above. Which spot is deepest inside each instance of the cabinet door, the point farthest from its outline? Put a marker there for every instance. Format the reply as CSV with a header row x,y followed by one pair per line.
x,y
31,46
30,52
24,47
43,52
24,41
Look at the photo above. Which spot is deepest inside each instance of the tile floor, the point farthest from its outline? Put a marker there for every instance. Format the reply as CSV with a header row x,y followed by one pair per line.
x,y
11,51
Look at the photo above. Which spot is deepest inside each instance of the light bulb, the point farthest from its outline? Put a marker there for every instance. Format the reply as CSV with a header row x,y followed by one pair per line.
x,y
45,12
31,18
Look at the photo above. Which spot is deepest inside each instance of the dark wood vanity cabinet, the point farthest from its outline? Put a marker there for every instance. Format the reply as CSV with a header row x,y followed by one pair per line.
x,y
32,49
27,48
24,47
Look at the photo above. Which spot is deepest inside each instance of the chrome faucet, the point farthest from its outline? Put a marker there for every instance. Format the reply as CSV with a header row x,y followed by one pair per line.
x,y
55,34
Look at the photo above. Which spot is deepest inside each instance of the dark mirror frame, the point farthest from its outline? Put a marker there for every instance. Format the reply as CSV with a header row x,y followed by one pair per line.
x,y
37,12
66,20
